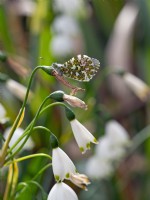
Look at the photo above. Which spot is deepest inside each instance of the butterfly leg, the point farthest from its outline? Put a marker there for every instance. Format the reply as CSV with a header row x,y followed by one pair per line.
x,y
66,83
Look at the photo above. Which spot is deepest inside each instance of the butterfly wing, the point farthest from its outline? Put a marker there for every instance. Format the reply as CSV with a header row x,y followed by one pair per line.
x,y
80,68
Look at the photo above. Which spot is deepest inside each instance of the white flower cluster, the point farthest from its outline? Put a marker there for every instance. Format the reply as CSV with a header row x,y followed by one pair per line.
x,y
110,150
63,167
67,38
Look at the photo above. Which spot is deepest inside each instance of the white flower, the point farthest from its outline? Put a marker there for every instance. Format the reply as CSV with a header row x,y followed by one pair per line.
x,y
137,86
17,89
62,45
74,101
62,165
82,135
67,170
18,132
3,118
117,133
61,23
69,7
26,7
98,168
111,147
108,151
61,191
2,111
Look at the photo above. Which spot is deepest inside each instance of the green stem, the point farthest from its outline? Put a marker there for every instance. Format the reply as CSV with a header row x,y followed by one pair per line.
x,y
42,170
31,124
34,121
141,137
28,157
26,133
5,147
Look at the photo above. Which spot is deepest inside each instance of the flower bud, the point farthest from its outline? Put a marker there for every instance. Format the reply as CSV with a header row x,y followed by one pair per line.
x,y
71,100
74,101
48,69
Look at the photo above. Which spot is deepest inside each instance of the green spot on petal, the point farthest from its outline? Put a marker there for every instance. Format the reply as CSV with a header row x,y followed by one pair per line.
x,y
81,149
67,175
95,141
88,146
57,178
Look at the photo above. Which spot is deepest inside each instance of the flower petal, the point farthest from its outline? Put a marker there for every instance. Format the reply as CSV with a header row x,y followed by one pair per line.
x,y
62,164
82,135
117,133
63,192
18,133
137,86
74,101
98,168
81,180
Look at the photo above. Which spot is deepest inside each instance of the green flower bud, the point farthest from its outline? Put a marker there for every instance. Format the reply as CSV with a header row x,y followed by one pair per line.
x,y
48,69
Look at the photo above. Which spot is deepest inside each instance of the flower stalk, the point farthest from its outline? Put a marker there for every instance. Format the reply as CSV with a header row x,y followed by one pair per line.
x,y
16,122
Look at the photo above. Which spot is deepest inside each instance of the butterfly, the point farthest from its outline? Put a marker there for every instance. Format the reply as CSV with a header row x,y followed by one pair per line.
x,y
80,68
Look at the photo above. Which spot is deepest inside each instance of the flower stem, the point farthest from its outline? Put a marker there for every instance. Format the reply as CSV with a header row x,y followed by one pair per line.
x,y
12,180
26,133
35,128
31,128
42,170
28,157
9,181
15,124
141,137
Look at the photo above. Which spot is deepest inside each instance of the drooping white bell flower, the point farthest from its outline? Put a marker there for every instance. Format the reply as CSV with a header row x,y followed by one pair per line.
x,y
2,112
70,7
98,168
82,135
61,22
62,191
63,168
108,151
62,165
117,133
17,89
18,133
26,8
3,118
62,45
138,86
